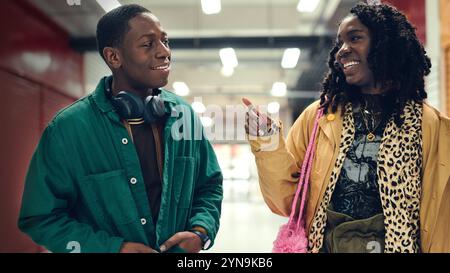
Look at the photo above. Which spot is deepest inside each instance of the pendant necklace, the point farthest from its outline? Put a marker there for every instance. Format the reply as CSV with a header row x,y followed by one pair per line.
x,y
370,133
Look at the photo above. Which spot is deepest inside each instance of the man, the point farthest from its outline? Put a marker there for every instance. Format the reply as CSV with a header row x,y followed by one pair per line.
x,y
103,180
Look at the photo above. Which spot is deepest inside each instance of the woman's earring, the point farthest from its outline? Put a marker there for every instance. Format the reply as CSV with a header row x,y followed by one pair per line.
x,y
336,65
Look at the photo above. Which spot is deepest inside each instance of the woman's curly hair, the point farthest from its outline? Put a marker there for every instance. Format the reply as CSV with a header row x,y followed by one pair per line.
x,y
397,60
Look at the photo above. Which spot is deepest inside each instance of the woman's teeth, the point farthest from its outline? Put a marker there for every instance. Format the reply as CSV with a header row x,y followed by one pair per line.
x,y
350,64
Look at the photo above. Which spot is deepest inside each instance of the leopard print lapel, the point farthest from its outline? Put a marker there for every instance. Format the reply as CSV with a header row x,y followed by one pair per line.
x,y
316,232
400,179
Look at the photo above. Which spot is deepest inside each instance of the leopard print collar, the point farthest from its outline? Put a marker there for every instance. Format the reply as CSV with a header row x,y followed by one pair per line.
x,y
399,177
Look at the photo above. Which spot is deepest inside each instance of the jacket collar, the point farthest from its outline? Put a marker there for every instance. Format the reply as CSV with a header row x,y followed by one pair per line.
x,y
100,97
104,103
331,125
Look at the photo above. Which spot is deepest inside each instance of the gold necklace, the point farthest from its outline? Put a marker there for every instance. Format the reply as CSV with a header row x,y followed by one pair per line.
x,y
371,133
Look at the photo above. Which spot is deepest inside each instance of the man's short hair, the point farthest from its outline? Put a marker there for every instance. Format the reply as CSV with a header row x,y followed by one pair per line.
x,y
113,26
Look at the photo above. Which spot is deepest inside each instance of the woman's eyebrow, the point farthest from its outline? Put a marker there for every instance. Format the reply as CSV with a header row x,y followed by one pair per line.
x,y
353,31
350,32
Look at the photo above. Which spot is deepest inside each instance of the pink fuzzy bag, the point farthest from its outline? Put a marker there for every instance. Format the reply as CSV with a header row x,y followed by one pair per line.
x,y
292,237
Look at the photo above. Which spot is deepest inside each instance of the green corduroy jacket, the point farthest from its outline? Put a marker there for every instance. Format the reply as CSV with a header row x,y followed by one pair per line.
x,y
85,188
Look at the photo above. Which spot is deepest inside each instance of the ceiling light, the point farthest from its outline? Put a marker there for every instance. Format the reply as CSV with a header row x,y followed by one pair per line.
x,y
206,121
181,89
228,57
227,71
198,107
307,5
211,6
109,5
279,89
273,107
290,58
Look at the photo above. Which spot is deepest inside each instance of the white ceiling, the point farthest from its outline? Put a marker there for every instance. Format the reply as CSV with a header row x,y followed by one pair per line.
x,y
184,18
200,68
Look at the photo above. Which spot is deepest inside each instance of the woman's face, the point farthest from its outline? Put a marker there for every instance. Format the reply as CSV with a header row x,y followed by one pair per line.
x,y
354,41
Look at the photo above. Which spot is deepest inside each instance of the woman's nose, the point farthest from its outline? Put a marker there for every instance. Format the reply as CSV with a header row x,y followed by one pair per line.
x,y
345,49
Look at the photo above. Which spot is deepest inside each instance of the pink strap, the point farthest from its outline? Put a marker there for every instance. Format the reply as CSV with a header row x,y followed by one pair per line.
x,y
306,167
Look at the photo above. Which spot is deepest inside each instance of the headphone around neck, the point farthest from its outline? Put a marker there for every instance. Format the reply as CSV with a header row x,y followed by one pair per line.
x,y
131,107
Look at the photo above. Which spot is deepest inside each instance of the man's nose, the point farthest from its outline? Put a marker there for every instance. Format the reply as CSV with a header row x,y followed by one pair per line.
x,y
163,51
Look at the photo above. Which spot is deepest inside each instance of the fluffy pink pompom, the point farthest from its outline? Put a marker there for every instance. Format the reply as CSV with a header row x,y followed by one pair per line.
x,y
290,240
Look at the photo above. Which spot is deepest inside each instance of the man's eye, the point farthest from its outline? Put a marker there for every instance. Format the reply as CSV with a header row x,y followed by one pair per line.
x,y
166,42
149,44
355,38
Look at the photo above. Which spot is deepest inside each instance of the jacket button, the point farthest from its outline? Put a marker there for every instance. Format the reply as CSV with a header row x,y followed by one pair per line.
x,y
133,180
143,221
331,117
124,141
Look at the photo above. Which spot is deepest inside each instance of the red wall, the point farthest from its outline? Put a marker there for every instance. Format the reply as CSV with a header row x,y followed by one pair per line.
x,y
39,74
416,13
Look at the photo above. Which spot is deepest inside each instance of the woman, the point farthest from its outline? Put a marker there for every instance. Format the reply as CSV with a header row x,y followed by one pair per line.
x,y
380,177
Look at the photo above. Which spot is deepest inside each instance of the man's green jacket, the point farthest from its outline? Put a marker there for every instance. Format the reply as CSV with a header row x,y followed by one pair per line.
x,y
85,191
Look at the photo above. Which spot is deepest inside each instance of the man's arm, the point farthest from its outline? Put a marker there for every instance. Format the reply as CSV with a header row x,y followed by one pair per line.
x,y
48,197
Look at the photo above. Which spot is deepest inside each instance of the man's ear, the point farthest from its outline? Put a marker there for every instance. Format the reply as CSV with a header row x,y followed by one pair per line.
x,y
112,57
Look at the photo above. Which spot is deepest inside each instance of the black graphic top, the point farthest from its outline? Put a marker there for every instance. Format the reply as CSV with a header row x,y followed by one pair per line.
x,y
356,193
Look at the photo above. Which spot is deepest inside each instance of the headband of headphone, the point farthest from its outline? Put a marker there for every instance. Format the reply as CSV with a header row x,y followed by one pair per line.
x,y
132,107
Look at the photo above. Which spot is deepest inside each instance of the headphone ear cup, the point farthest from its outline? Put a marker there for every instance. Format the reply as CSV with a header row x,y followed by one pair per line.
x,y
128,105
154,109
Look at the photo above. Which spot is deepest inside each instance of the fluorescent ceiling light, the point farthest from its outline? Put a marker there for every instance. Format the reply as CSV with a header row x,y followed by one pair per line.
x,y
273,107
206,121
228,57
290,58
198,107
211,6
181,89
227,71
109,5
307,5
279,89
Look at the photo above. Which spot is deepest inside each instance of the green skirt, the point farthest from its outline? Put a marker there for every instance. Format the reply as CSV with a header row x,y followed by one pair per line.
x,y
344,234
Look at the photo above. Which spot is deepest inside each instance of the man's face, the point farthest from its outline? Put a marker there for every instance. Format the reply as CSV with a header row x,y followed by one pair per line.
x,y
354,46
145,53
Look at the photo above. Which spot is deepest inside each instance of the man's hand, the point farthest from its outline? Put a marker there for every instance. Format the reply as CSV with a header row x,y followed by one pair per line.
x,y
136,248
186,240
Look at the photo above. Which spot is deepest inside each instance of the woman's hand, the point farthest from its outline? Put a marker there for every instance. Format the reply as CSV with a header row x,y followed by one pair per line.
x,y
258,124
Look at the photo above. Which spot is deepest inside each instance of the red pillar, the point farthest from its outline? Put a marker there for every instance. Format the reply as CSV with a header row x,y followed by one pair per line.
x,y
39,74
416,13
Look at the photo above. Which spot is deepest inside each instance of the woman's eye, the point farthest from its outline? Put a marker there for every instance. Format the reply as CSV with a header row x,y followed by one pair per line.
x,y
149,44
355,38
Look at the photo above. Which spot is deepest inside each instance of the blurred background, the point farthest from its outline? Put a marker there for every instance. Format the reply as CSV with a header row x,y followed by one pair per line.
x,y
271,51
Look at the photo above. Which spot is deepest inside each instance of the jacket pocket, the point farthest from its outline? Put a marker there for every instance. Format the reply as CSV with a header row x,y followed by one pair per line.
x,y
109,197
183,181
183,187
